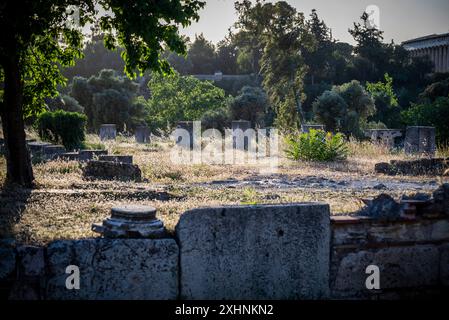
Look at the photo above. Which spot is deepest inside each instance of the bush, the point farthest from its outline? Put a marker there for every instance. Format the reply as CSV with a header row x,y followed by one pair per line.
x,y
180,98
250,105
66,128
317,145
434,114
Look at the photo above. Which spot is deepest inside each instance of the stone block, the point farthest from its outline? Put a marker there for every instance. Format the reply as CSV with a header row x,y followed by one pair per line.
x,y
7,259
31,261
400,267
115,158
255,252
421,140
86,155
305,128
114,269
142,134
239,139
444,265
108,132
111,170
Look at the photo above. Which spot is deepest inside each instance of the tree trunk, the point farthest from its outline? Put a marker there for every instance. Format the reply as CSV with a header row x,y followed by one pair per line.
x,y
19,170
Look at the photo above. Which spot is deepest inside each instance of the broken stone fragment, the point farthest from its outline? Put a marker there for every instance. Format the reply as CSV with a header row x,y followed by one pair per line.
x,y
382,207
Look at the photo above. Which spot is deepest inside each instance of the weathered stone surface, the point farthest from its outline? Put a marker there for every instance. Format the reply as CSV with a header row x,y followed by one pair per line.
x,y
255,252
30,274
112,170
67,156
239,139
31,261
420,140
142,134
384,136
52,151
400,267
184,140
115,269
444,265
7,258
373,232
425,166
382,207
108,132
86,155
37,147
116,158
132,221
305,128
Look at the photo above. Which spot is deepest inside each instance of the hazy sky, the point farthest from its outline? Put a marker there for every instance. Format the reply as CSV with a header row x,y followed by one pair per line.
x,y
400,19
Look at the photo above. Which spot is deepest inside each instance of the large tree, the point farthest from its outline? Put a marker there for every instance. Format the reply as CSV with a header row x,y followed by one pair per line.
x,y
37,38
283,39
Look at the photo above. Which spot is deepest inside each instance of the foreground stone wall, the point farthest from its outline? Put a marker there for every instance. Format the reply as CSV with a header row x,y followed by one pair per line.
x,y
412,256
293,251
260,252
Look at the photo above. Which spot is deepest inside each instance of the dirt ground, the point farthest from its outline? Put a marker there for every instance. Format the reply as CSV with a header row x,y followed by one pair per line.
x,y
64,205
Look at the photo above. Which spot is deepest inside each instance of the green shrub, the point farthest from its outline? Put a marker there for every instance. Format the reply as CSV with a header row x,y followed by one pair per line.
x,y
434,114
317,145
66,128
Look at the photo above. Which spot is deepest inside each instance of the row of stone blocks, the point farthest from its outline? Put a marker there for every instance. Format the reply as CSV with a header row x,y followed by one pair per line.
x,y
252,252
255,252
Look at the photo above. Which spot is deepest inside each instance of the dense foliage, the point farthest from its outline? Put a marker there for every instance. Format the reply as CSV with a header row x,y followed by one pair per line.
x,y
109,98
345,108
434,114
180,98
317,145
66,128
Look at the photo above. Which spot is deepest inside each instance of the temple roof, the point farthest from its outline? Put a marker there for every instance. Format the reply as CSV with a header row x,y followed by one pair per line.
x,y
428,41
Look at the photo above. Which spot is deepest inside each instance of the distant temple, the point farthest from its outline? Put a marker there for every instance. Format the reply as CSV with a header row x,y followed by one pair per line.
x,y
435,46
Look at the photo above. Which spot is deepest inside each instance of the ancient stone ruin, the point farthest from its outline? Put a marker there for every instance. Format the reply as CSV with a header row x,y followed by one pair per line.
x,y
424,166
142,134
420,140
108,132
110,170
116,158
291,251
384,136
239,139
132,221
305,128
185,140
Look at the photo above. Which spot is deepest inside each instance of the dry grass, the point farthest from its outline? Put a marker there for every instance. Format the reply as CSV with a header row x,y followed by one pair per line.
x,y
64,205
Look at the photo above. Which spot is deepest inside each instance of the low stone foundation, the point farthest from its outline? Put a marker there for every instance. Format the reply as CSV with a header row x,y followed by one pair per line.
x,y
412,256
111,170
293,251
425,166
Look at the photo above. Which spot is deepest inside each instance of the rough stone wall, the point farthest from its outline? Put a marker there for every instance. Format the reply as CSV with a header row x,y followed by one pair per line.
x,y
412,255
254,252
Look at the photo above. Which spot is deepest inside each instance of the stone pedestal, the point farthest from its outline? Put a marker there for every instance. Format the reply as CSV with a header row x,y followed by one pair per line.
x,y
420,140
305,128
131,221
188,126
242,125
108,132
384,136
142,134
